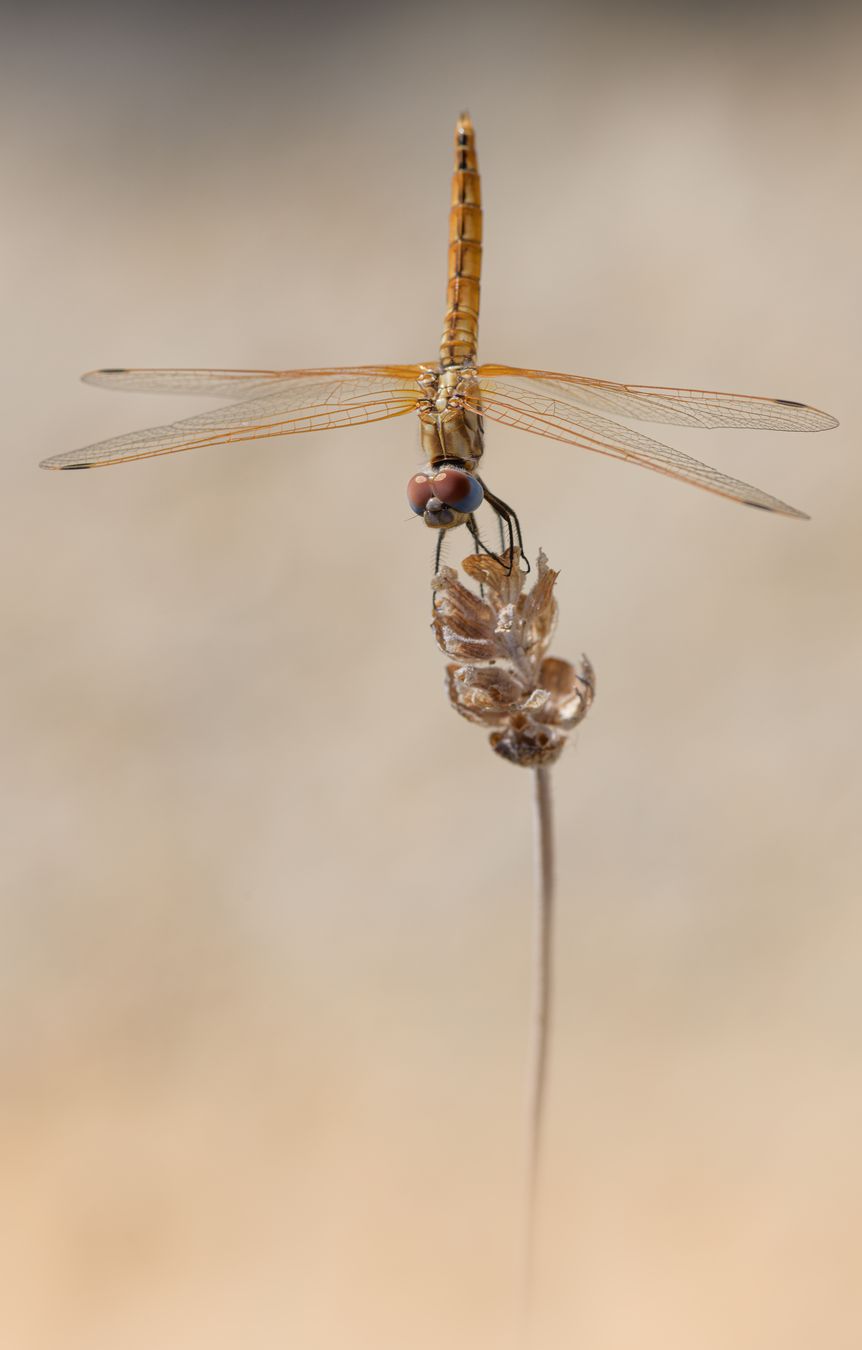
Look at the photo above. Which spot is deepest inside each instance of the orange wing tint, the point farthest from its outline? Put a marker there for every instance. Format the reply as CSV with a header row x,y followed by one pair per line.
x,y
530,401
678,407
268,403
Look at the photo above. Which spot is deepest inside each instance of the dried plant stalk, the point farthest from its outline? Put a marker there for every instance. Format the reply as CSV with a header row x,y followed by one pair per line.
x,y
503,679
543,946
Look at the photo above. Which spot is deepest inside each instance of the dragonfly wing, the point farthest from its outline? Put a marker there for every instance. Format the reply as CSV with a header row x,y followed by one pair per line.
x,y
678,407
237,384
504,401
290,408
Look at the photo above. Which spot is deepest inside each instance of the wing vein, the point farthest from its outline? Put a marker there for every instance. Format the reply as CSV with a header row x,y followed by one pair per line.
x,y
552,418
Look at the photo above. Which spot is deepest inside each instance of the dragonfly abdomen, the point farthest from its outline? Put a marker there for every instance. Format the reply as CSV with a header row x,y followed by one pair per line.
x,y
461,325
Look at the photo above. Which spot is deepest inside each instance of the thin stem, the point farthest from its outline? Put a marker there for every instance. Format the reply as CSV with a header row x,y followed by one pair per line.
x,y
541,1024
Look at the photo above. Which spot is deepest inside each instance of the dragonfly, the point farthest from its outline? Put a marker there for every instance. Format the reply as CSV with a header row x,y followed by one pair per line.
x,y
453,398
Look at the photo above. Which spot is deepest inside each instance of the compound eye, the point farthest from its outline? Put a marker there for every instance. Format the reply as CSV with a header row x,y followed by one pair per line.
x,y
458,489
420,490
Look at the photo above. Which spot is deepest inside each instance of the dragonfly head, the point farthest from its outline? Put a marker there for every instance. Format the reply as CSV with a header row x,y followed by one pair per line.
x,y
444,496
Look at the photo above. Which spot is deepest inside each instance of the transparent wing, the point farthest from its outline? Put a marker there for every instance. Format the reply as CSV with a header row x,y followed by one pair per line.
x,y
237,384
679,407
289,408
504,401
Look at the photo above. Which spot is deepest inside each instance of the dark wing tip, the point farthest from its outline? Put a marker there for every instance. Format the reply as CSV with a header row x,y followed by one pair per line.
x,y
825,420
97,376
782,510
52,464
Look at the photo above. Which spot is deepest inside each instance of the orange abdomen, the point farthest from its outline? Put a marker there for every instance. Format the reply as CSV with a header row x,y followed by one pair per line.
x,y
461,326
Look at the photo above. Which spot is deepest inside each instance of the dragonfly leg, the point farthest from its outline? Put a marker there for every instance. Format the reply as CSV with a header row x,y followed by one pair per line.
x,y
502,517
479,545
508,518
438,551
475,533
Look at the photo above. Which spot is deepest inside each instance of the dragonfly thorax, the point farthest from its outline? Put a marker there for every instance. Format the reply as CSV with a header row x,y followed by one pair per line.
x,y
450,423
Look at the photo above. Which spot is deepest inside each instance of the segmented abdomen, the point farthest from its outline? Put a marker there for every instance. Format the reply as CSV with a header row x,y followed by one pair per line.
x,y
461,326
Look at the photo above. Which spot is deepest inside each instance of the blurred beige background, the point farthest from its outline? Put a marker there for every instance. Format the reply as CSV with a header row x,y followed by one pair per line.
x,y
266,899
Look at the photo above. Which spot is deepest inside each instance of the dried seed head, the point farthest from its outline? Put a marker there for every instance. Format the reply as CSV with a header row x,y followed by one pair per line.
x,y
502,677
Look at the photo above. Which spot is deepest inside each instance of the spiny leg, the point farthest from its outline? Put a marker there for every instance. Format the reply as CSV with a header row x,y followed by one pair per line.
x,y
506,515
475,534
480,547
502,532
438,551
474,530
473,527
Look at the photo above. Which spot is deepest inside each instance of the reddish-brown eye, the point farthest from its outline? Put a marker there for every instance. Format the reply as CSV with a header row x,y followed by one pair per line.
x,y
420,490
458,489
